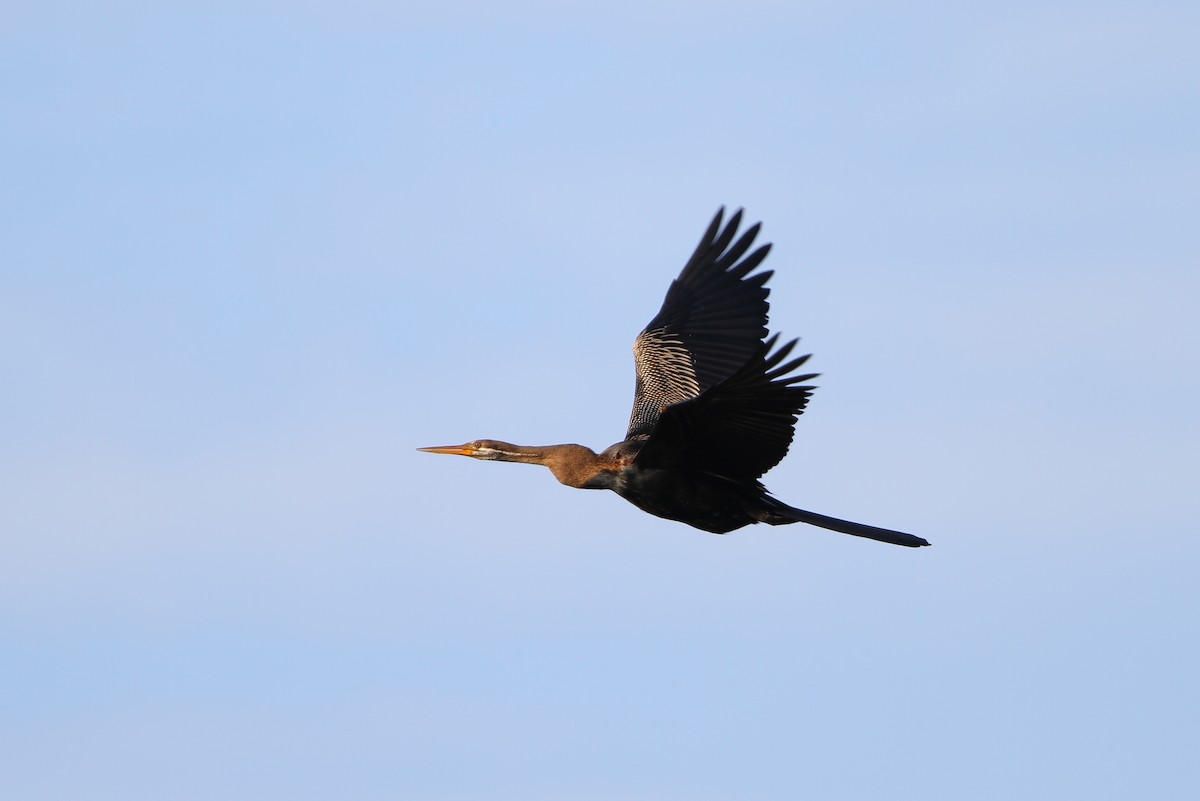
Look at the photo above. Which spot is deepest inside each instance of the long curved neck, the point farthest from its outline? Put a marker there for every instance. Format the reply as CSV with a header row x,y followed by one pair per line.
x,y
573,465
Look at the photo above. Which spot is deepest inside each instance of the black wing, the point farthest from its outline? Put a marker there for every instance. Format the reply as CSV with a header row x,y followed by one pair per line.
x,y
711,323
739,428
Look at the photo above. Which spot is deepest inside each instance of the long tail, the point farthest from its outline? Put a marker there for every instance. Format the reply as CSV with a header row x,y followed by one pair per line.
x,y
779,514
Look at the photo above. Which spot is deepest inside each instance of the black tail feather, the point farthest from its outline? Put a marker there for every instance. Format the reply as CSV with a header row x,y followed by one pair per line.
x,y
782,514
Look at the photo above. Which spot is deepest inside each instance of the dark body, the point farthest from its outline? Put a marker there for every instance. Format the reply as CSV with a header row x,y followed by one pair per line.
x,y
715,405
705,501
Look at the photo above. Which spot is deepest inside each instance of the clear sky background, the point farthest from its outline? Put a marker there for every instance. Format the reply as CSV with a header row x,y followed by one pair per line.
x,y
256,253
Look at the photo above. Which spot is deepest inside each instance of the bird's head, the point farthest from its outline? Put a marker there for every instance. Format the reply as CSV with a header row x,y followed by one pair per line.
x,y
490,449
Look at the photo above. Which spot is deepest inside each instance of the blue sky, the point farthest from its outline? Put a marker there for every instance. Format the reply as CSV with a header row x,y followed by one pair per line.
x,y
257,253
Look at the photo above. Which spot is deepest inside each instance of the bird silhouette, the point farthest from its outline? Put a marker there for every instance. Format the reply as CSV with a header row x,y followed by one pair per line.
x,y
715,404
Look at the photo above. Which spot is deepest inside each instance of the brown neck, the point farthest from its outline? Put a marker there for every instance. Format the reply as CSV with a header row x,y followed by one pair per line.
x,y
573,465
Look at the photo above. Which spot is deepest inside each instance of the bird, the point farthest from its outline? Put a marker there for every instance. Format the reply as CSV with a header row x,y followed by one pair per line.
x,y
715,404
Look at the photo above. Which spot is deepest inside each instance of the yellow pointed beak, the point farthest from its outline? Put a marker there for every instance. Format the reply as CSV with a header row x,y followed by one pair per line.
x,y
453,450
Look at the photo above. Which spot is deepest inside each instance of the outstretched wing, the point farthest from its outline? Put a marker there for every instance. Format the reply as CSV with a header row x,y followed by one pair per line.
x,y
711,323
739,428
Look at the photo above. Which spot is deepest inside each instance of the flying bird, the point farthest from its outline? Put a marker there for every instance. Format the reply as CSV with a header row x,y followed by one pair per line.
x,y
714,408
